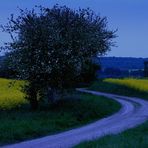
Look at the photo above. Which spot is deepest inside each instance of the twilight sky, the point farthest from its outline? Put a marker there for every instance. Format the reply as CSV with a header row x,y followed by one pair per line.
x,y
130,17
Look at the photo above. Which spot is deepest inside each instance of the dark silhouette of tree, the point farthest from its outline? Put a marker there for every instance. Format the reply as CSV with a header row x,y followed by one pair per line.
x,y
50,47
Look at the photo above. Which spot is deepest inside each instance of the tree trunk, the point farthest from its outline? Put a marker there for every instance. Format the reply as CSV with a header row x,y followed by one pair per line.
x,y
51,95
34,104
33,100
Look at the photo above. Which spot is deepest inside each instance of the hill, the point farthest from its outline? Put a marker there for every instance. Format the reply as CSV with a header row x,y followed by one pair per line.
x,y
117,67
122,63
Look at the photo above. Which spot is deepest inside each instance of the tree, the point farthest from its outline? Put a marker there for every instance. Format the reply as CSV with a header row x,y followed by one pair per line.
x,y
50,47
5,71
88,72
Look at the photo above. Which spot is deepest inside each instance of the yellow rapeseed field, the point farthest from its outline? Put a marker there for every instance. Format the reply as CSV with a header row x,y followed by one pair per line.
x,y
10,94
138,84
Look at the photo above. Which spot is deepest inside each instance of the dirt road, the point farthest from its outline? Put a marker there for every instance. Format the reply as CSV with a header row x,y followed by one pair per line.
x,y
134,111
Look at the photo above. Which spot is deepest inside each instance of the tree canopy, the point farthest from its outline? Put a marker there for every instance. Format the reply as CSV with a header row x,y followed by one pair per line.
x,y
50,46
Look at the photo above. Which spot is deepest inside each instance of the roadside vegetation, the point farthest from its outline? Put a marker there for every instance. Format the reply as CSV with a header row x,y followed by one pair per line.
x,y
137,137
133,138
19,123
127,87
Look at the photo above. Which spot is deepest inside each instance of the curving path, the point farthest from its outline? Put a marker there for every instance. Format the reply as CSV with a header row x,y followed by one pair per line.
x,y
134,111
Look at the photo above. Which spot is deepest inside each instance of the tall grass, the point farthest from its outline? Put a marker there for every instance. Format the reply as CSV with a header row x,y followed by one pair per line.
x,y
10,94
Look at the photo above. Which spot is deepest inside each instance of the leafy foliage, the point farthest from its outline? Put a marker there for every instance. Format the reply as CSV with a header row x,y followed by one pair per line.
x,y
49,47
89,72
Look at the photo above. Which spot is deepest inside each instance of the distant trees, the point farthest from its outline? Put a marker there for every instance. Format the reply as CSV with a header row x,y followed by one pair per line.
x,y
5,70
52,48
88,72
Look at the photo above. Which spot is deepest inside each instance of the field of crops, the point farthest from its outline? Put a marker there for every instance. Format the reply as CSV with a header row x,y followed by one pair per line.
x,y
10,94
127,87
137,84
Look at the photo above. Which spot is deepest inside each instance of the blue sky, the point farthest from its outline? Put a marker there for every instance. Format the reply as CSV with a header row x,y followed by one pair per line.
x,y
130,17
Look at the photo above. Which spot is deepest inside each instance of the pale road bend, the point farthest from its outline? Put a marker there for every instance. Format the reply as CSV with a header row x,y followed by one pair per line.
x,y
133,112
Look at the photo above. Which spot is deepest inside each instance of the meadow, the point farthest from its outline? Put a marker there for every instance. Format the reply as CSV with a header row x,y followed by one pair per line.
x,y
19,123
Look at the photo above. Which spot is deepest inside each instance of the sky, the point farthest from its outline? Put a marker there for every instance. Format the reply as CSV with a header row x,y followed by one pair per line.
x,y
130,17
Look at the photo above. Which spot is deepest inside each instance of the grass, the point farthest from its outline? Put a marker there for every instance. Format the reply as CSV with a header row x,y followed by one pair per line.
x,y
127,87
133,138
18,123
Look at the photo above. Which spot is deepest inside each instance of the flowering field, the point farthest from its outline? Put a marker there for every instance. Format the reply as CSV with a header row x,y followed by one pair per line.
x,y
10,95
137,84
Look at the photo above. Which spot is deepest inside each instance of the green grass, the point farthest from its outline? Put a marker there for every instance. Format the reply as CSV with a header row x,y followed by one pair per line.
x,y
18,123
120,88
133,138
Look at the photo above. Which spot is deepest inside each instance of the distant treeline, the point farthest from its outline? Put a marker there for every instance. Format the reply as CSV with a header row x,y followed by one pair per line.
x,y
110,67
121,66
5,71
123,63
